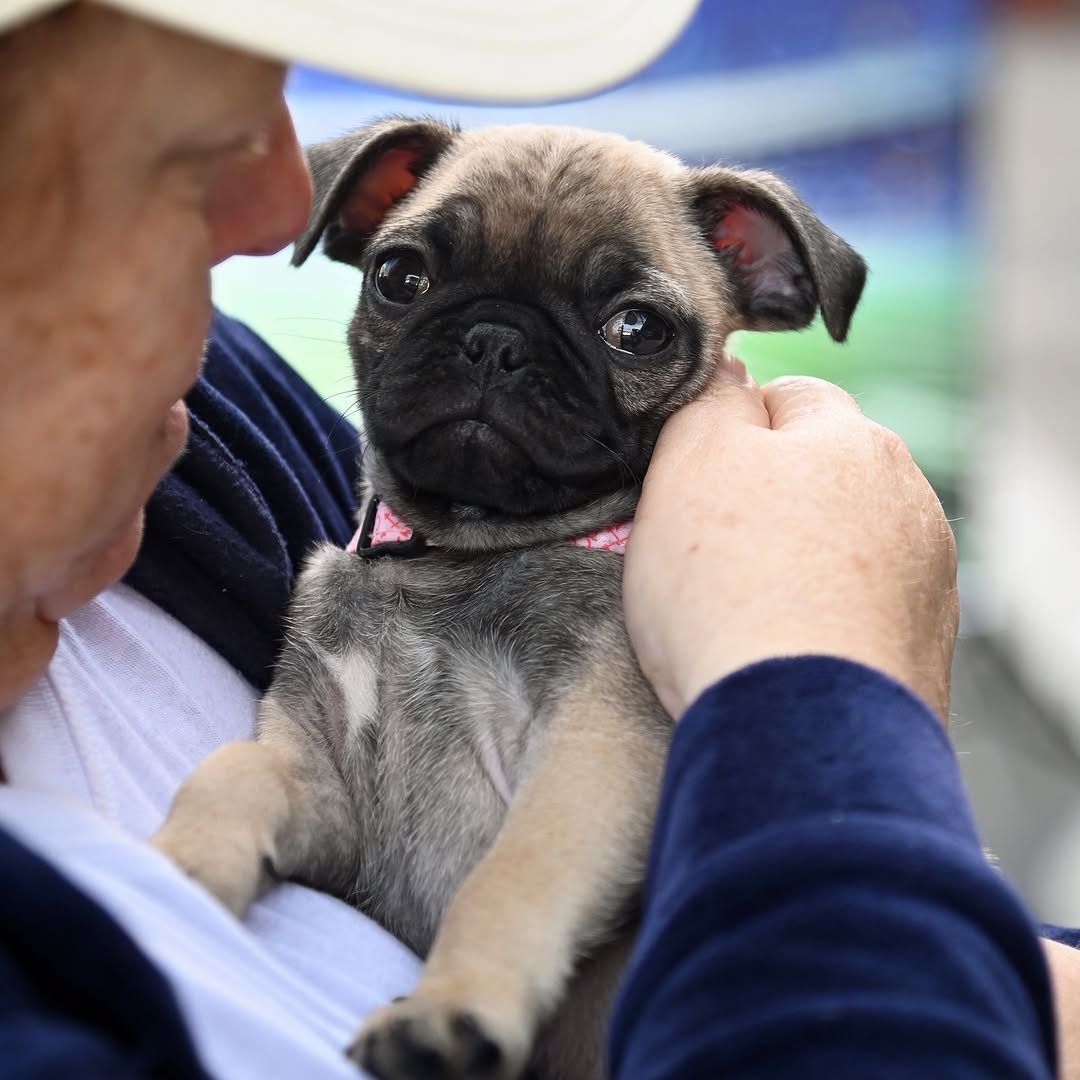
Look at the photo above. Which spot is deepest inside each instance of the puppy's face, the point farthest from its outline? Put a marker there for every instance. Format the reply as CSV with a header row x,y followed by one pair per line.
x,y
536,301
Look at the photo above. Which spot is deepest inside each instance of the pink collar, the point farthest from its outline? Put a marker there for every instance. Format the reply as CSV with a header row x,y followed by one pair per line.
x,y
387,528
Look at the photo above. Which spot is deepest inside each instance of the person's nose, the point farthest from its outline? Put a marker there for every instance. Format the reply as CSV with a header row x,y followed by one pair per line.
x,y
262,202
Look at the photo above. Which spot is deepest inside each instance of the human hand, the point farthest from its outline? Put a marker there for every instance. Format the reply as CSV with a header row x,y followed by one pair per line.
x,y
780,521
1064,963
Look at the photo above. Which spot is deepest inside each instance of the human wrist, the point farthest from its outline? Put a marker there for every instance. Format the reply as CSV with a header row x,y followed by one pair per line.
x,y
706,666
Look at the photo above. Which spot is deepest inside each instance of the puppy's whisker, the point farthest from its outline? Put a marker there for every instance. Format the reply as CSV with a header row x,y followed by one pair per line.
x,y
624,465
365,449
312,318
351,393
342,418
331,454
312,337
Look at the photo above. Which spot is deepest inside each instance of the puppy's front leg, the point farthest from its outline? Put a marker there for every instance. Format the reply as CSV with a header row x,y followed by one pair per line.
x,y
258,811
559,879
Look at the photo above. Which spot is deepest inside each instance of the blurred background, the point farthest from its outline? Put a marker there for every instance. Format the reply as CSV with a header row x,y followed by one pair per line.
x,y
940,138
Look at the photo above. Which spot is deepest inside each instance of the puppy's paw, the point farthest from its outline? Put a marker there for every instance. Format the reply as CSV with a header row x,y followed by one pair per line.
x,y
414,1039
230,868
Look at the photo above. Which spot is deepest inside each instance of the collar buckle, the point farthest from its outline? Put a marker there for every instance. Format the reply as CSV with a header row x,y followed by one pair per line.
x,y
415,546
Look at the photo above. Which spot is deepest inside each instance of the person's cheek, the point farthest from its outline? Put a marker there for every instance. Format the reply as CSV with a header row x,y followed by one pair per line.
x,y
94,573
27,644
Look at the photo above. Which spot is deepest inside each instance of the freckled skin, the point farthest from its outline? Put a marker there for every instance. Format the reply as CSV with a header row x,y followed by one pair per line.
x,y
113,206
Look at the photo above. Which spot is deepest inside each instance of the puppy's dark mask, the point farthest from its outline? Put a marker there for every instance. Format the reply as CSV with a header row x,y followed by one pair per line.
x,y
537,301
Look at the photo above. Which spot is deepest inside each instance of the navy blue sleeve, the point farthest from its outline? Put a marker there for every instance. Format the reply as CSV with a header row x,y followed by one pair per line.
x,y
77,997
1063,935
817,902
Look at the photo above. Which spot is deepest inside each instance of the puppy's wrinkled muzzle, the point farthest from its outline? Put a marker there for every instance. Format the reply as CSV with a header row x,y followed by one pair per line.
x,y
493,406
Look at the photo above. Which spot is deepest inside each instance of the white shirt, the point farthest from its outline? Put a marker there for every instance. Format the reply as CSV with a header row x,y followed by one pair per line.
x,y
131,702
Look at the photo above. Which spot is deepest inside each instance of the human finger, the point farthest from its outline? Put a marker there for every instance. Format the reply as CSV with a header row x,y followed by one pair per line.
x,y
793,400
730,399
730,369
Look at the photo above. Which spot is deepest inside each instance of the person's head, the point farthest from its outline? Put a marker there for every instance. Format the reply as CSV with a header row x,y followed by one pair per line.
x,y
135,152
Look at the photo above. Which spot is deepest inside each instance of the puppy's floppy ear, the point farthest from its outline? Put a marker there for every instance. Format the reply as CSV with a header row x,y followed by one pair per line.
x,y
784,262
358,177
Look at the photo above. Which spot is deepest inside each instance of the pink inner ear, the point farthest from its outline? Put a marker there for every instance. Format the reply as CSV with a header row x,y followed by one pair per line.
x,y
379,188
753,236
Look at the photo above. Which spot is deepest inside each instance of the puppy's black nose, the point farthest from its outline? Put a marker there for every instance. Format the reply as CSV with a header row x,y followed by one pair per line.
x,y
496,345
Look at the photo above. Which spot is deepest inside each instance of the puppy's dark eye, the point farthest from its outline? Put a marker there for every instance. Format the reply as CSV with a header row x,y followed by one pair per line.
x,y
638,332
402,278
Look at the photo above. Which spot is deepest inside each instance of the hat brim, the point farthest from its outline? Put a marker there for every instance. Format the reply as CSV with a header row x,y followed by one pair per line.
x,y
472,50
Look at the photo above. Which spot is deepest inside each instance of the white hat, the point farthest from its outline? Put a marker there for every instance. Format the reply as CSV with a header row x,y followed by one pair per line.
x,y
494,50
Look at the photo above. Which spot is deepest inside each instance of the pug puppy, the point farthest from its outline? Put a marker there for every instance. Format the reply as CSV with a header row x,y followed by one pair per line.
x,y
458,738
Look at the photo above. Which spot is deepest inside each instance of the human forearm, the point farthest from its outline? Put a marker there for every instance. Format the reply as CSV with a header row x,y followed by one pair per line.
x,y
818,903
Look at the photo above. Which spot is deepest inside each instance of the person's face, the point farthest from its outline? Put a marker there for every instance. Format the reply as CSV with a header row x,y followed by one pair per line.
x,y
145,157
